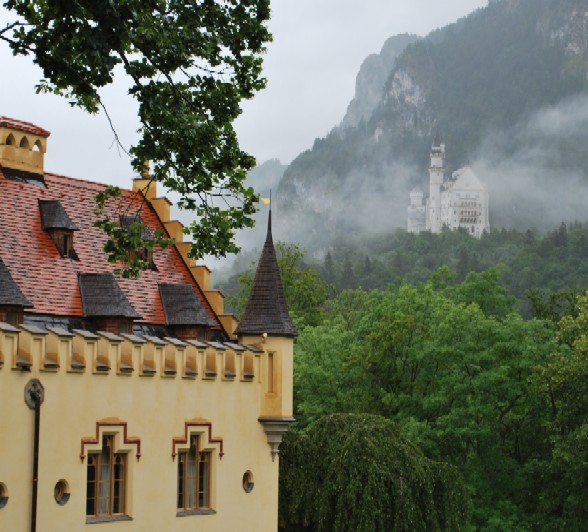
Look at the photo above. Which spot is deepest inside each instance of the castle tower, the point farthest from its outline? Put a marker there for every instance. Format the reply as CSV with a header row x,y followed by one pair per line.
x,y
266,323
436,176
416,212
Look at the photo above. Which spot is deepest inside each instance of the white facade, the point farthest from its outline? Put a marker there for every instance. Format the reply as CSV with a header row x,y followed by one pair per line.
x,y
459,201
416,212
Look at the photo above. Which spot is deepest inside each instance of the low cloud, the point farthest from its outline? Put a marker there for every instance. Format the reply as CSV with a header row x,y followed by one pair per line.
x,y
536,173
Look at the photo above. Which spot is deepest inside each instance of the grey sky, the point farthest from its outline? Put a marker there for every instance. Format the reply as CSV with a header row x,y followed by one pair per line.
x,y
311,67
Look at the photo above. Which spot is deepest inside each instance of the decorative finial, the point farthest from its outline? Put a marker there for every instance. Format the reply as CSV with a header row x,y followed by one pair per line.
x,y
268,201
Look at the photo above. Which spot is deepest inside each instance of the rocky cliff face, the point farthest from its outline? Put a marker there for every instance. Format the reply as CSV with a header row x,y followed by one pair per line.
x,y
487,84
372,77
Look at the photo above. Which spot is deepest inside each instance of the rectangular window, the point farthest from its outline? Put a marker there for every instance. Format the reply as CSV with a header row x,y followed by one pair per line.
x,y
270,373
105,493
14,318
194,477
67,245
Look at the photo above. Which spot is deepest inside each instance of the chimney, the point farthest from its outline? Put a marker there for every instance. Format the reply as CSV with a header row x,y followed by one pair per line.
x,y
22,146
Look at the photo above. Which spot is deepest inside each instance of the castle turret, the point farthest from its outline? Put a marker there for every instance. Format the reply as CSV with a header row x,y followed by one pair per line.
x,y
436,177
267,324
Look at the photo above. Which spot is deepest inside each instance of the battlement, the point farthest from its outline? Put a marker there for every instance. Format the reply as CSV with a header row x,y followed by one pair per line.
x,y
34,350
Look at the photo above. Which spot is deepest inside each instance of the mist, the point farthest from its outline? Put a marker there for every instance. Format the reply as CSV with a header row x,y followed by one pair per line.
x,y
536,173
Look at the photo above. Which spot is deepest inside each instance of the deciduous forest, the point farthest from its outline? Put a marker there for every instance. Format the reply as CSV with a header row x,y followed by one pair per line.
x,y
472,353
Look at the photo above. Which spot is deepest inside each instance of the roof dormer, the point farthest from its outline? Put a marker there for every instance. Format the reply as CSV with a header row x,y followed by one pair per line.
x,y
134,226
185,313
22,149
12,300
105,304
58,224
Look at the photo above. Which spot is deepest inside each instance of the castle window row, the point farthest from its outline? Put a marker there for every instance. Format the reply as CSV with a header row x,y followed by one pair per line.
x,y
107,481
108,472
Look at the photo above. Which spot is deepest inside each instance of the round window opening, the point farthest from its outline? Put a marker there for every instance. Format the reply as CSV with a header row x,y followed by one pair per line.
x,y
3,495
248,481
61,492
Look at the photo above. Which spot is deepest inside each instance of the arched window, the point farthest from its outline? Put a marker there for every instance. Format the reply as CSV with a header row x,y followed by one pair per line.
x,y
10,140
24,143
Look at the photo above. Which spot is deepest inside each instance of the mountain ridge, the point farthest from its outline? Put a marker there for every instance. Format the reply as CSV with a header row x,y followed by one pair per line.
x,y
484,82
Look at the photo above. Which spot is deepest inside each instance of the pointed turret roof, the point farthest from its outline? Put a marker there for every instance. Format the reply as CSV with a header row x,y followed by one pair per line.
x,y
266,310
437,141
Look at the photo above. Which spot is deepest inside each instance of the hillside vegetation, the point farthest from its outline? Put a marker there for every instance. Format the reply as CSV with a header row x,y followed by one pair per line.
x,y
471,354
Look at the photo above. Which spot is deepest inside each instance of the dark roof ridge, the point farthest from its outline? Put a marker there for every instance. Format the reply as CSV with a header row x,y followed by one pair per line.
x,y
10,293
82,182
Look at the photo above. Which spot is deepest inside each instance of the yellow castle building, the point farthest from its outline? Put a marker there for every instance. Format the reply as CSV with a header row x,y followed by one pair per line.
x,y
129,404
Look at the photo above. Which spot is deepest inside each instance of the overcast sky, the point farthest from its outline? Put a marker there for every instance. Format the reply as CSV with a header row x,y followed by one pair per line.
x,y
311,66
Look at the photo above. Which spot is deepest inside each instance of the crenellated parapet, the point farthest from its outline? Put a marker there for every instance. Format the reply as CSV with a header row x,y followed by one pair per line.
x,y
28,348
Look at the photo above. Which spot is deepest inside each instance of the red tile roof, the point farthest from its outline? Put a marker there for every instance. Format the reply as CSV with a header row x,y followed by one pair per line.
x,y
49,281
20,125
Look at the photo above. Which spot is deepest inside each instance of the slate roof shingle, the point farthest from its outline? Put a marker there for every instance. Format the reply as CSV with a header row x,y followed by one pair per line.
x,y
53,216
101,297
182,306
10,293
126,223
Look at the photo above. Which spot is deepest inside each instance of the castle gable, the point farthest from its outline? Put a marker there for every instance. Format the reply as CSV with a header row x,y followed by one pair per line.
x,y
466,179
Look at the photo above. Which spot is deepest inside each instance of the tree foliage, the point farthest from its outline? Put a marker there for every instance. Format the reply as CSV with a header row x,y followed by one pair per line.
x,y
357,472
129,244
560,470
542,271
190,65
452,365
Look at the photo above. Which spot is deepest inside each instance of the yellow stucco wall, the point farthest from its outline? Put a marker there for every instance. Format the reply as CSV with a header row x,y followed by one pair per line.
x,y
155,410
276,401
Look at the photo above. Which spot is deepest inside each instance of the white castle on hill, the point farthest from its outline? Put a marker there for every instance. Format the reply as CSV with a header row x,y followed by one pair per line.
x,y
460,201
